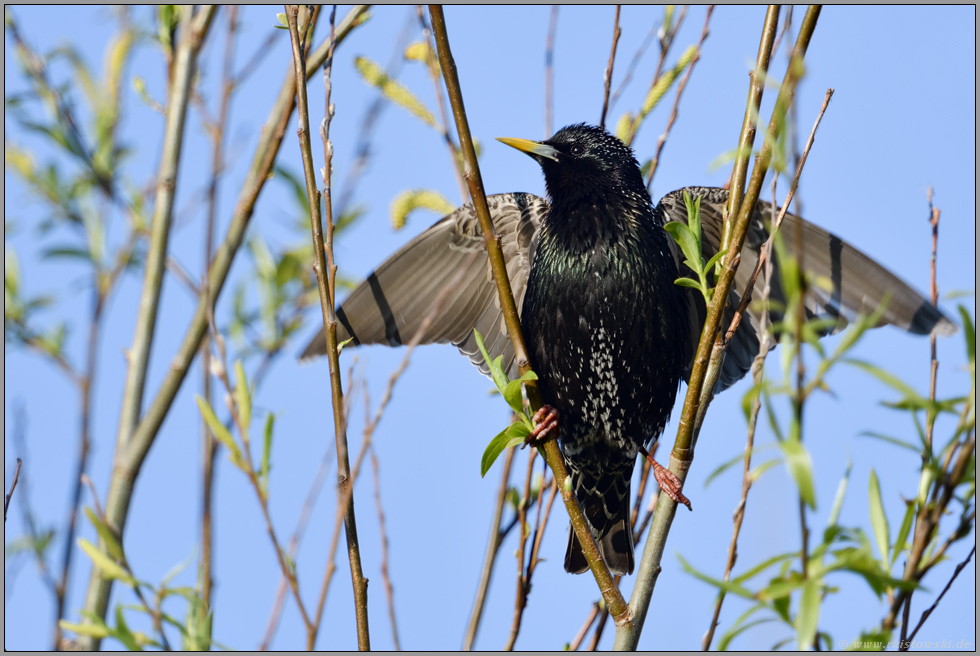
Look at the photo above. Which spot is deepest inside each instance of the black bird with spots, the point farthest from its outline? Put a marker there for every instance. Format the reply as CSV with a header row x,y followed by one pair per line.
x,y
608,332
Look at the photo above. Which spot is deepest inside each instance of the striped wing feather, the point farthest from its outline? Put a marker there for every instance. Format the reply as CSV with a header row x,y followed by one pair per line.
x,y
856,284
394,301
391,305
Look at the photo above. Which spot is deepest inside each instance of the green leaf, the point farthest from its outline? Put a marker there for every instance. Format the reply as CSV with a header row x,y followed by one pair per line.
x,y
511,436
690,282
392,90
839,496
499,379
512,395
266,453
764,565
809,614
108,536
686,239
411,200
109,569
122,633
714,259
879,521
969,333
891,440
801,468
219,431
903,533
243,399
757,472
728,464
726,586
66,252
91,630
741,626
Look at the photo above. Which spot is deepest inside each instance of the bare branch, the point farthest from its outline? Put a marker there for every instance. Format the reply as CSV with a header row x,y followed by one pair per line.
x,y
10,492
607,75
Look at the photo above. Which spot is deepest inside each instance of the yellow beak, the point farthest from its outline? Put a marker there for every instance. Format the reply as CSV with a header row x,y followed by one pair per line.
x,y
532,148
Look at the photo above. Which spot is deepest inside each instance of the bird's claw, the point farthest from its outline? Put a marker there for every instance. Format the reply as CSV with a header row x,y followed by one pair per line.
x,y
545,421
668,482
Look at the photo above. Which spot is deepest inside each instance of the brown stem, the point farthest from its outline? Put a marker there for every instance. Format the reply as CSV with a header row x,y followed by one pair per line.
x,y
372,425
682,455
10,492
607,74
677,100
84,444
522,581
746,139
766,253
496,537
385,576
433,67
614,599
739,514
207,440
925,615
665,43
586,625
326,272
934,296
599,627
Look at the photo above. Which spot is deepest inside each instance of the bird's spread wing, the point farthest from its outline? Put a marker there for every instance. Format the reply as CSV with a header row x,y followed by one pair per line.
x,y
853,283
395,300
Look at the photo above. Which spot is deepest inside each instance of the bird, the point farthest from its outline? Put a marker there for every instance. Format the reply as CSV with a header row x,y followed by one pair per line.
x,y
609,333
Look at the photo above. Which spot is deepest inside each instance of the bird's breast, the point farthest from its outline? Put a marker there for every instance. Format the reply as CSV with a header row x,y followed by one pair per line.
x,y
595,324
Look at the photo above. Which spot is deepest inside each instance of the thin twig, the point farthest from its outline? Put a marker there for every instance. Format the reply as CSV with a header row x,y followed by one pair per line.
x,y
628,635
84,444
614,599
934,297
549,72
385,576
433,67
10,493
586,625
129,463
677,100
765,254
750,121
599,627
925,615
665,43
174,266
326,272
522,582
493,545
208,450
739,514
304,517
608,73
373,424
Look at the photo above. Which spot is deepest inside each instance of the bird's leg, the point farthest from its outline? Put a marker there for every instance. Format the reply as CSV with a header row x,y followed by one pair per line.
x,y
545,421
666,480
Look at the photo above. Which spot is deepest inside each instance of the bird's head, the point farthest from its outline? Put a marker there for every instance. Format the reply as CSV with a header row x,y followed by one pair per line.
x,y
583,160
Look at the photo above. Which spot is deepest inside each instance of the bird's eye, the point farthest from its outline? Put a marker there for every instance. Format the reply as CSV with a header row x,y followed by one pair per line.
x,y
576,149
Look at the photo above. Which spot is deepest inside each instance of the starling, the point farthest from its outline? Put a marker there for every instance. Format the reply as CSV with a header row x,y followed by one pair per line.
x,y
608,332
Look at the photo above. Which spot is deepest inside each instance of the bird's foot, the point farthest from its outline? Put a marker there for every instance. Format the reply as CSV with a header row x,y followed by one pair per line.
x,y
667,481
545,421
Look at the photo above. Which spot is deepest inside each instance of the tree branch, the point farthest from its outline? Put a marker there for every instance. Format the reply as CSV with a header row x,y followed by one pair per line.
x,y
549,449
628,635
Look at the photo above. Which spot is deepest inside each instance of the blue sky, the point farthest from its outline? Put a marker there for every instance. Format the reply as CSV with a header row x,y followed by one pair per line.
x,y
902,119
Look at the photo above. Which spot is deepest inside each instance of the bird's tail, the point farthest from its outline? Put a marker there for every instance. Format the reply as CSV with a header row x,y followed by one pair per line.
x,y
608,516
